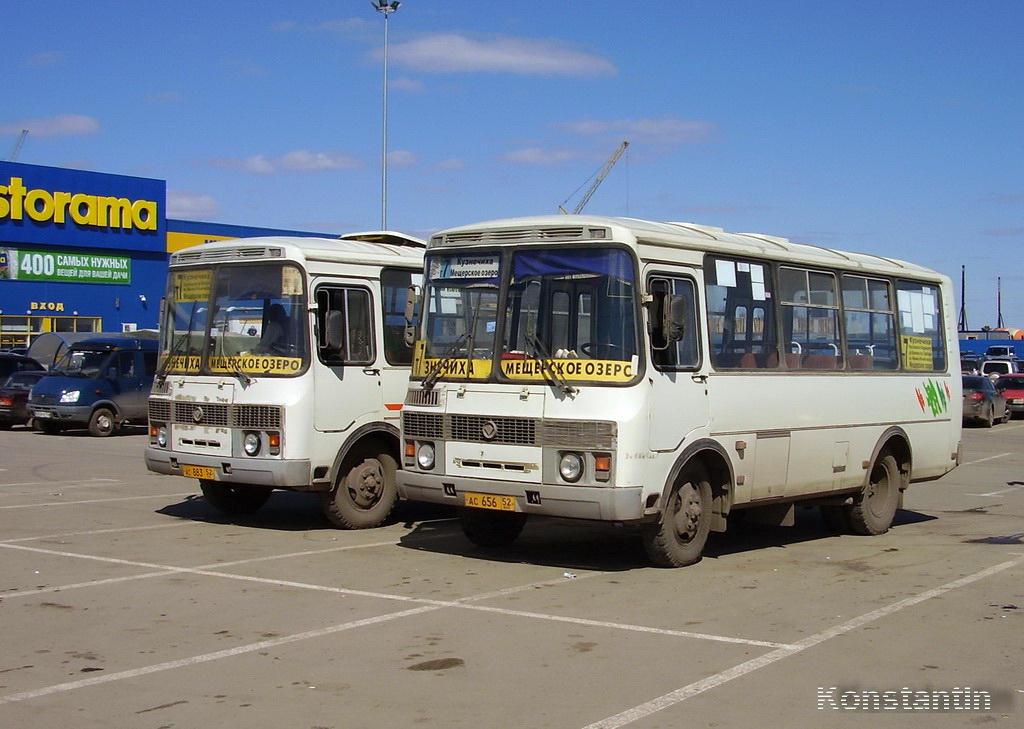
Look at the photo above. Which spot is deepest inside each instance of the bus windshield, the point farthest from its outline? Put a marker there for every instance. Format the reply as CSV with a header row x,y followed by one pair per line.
x,y
570,315
243,320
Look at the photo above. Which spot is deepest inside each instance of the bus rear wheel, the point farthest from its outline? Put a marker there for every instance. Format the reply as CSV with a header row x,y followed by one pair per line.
x,y
231,499
679,539
365,493
487,528
874,507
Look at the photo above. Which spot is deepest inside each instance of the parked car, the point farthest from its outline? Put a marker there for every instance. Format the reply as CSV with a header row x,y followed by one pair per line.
x,y
1012,388
11,363
14,397
998,367
983,403
99,384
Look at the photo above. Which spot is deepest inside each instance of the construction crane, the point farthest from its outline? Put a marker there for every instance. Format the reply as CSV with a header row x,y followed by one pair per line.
x,y
597,181
17,145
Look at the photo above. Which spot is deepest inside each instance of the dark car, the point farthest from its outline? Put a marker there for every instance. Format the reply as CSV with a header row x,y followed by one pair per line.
x,y
14,398
11,363
1012,388
99,384
983,403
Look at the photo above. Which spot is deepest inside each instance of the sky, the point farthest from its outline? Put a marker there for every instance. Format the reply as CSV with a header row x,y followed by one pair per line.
x,y
890,127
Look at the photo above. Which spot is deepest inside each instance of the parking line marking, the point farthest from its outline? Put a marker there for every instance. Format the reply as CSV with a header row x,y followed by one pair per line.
x,y
627,626
207,657
97,501
982,460
682,694
100,531
999,493
65,484
241,650
458,603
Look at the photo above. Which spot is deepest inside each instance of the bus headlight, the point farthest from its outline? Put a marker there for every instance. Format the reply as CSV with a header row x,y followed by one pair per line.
x,y
570,467
251,444
161,437
425,456
70,396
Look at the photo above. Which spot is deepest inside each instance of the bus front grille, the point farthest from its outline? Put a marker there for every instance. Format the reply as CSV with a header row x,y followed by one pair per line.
x,y
589,434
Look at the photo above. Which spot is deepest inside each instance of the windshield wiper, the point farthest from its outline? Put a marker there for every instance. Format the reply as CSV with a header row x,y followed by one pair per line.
x,y
431,377
543,355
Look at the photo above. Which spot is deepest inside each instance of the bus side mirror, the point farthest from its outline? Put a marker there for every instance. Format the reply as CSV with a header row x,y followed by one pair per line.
x,y
673,323
334,331
411,300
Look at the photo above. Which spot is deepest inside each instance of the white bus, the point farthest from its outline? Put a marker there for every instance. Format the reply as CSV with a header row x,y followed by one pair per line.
x,y
670,376
284,366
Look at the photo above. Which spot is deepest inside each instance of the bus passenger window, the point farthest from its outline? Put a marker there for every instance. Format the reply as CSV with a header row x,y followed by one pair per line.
x,y
870,325
740,314
810,319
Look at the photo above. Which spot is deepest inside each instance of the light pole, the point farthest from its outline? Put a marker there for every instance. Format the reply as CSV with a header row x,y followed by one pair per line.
x,y
385,7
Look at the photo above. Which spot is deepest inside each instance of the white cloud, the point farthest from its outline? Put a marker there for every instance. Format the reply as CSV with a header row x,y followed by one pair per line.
x,y
299,160
404,83
44,60
452,53
451,164
540,156
663,130
402,158
190,205
61,125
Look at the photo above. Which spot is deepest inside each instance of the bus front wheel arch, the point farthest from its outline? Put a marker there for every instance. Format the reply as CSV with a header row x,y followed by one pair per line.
x,y
679,537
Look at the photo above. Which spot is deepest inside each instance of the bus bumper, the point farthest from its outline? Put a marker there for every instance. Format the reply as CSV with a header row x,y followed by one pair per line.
x,y
290,474
622,503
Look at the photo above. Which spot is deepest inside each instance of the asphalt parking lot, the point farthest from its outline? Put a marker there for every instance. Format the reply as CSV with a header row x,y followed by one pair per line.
x,y
126,601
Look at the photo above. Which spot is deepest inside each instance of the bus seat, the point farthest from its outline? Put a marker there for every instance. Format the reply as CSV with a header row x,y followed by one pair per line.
x,y
820,362
861,362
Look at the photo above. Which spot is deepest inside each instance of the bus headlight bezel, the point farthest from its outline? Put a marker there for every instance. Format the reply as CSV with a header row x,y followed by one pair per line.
x,y
571,466
425,456
251,443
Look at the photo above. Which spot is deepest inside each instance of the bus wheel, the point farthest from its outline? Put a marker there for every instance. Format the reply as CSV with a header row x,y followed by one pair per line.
x,y
102,423
875,506
487,528
364,495
679,539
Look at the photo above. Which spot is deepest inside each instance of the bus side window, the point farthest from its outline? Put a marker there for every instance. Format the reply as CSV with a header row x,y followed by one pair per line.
x,y
740,314
345,326
394,284
683,354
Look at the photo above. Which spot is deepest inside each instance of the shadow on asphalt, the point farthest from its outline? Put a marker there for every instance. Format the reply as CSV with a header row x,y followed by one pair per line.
x,y
608,548
293,511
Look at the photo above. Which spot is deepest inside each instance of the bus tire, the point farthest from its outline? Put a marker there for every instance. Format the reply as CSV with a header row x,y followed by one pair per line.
x,y
678,539
48,427
875,506
232,499
364,494
102,423
489,529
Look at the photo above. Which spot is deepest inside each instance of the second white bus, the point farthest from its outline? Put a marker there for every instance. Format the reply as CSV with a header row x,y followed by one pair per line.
x,y
672,375
283,366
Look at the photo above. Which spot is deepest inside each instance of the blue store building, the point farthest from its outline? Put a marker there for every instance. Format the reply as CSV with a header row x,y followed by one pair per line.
x,y
87,252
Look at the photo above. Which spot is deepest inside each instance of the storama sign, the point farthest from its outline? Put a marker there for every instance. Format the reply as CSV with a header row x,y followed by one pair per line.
x,y
62,207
